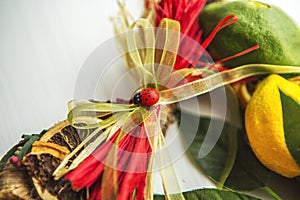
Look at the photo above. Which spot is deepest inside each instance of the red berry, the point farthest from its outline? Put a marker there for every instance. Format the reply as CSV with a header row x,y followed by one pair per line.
x,y
18,164
14,159
148,96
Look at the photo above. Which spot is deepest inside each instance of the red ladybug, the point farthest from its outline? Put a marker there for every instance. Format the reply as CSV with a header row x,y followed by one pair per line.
x,y
146,97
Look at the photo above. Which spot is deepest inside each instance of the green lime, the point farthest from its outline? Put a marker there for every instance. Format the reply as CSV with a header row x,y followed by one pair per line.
x,y
259,24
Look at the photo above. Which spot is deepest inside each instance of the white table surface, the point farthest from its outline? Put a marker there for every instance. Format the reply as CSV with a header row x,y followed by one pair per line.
x,y
43,45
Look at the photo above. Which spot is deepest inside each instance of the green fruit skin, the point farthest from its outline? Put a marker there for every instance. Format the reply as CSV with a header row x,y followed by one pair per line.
x,y
259,24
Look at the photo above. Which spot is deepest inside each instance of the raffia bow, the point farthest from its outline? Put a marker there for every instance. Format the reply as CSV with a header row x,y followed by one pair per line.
x,y
150,54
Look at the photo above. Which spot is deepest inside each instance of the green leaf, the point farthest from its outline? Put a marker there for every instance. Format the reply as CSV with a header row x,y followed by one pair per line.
x,y
25,143
291,125
214,163
211,194
219,162
247,173
10,153
30,139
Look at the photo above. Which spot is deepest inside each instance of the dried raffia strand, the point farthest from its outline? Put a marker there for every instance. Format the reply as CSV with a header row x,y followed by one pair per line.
x,y
245,95
295,79
16,183
242,93
167,116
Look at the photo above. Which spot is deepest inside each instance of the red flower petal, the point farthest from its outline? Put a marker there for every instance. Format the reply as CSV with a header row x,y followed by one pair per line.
x,y
133,155
186,12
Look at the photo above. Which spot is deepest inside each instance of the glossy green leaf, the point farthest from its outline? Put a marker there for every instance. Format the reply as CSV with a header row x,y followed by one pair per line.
x,y
214,164
211,194
247,173
219,162
291,125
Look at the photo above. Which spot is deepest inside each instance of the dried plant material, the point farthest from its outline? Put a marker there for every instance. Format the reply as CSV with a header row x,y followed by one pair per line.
x,y
15,183
45,157
51,148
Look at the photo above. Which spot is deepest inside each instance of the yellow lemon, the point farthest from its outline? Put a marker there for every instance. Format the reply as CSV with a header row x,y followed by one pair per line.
x,y
265,125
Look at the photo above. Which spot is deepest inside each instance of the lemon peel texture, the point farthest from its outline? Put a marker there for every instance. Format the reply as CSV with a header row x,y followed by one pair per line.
x,y
265,128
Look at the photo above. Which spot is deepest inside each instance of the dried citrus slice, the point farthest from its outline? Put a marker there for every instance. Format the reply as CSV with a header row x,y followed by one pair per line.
x,y
268,124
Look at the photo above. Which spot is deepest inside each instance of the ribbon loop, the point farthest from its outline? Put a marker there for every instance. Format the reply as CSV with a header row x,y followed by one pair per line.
x,y
167,44
151,51
87,115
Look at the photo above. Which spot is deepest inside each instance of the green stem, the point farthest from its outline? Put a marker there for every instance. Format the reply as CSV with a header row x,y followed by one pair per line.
x,y
272,193
30,139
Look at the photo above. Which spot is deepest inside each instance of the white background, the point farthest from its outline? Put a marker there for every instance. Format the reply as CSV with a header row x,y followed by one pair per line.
x,y
43,44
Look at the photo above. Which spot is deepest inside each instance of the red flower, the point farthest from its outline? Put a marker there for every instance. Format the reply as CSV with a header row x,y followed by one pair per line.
x,y
187,12
125,177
